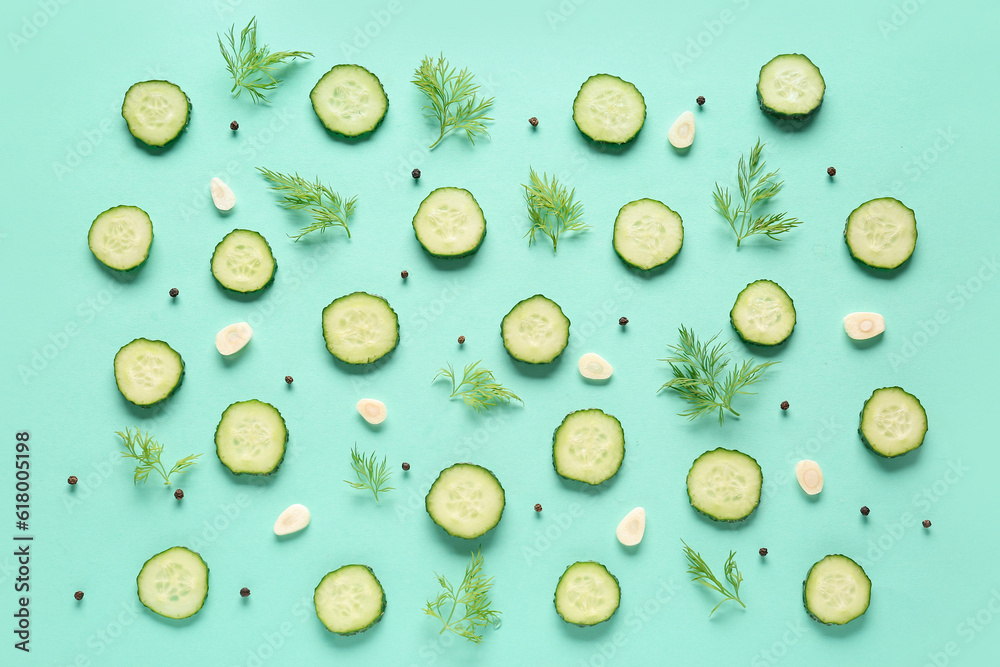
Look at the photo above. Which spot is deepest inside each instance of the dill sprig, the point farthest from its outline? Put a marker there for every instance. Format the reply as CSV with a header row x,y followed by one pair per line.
x,y
551,209
478,387
755,187
451,98
472,596
252,66
702,573
371,474
327,207
146,451
697,367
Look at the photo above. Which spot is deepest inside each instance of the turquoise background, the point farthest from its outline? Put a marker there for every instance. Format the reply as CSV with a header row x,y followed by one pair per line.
x,y
910,111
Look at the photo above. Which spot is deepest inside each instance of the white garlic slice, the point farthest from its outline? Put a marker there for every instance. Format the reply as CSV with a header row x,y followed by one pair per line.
x,y
233,338
292,520
594,367
862,326
222,194
681,134
632,527
372,409
810,476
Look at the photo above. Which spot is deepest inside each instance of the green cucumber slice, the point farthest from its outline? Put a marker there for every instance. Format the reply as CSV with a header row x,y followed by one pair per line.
x,y
449,223
609,110
724,485
120,237
588,446
535,330
156,112
173,583
242,262
360,328
647,234
251,437
881,233
349,600
587,594
349,100
763,314
893,422
790,87
466,500
148,371
836,591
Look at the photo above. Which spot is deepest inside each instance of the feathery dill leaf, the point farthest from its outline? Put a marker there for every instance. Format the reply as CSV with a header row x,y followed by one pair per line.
x,y
478,387
451,98
327,208
551,209
146,452
472,595
371,474
702,573
251,66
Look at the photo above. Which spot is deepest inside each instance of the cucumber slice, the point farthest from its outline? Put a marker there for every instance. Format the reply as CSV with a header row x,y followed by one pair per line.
x,y
360,328
449,223
156,112
466,500
836,591
609,110
349,100
790,87
893,422
724,485
349,600
250,438
881,233
120,237
242,262
174,583
148,371
763,314
588,446
535,330
647,234
587,594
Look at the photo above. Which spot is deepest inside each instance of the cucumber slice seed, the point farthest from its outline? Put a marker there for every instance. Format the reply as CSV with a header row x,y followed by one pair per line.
x,y
360,328
724,485
881,233
243,263
647,234
349,100
466,500
148,371
251,437
535,330
588,446
836,591
449,223
893,422
587,594
609,110
173,583
790,86
156,112
120,237
763,314
349,600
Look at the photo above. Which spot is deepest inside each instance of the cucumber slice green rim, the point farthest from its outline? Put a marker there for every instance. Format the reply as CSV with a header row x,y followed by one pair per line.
x,y
349,600
609,110
449,223
763,314
360,328
647,234
148,371
791,87
725,485
120,237
243,263
535,330
837,590
587,594
588,446
251,438
173,583
881,233
156,112
893,422
350,101
466,500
